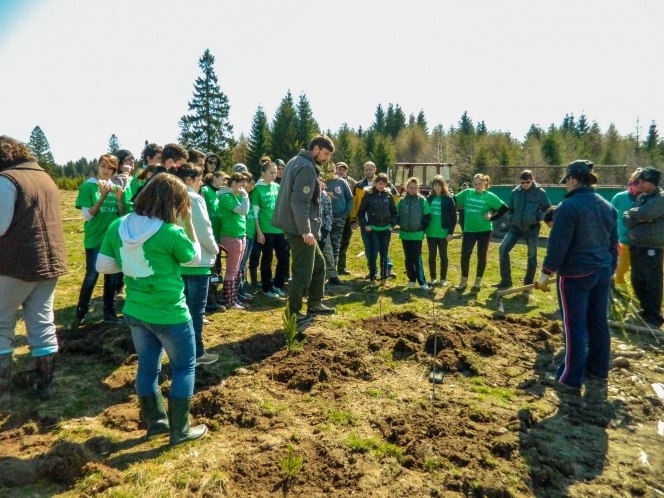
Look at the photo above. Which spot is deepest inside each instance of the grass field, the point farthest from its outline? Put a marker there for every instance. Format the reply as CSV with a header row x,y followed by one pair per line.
x,y
351,413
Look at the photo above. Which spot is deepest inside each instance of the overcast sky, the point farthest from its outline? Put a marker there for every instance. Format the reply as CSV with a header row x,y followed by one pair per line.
x,y
84,69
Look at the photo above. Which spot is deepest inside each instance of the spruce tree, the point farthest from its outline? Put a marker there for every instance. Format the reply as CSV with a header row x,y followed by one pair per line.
x,y
650,145
582,126
568,125
207,127
481,129
382,154
466,127
421,121
259,141
307,127
612,151
379,122
395,120
534,131
41,149
284,130
113,144
551,149
343,145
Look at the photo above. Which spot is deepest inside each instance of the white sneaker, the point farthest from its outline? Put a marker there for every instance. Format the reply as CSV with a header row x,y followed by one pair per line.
x,y
206,321
443,283
434,282
410,284
279,292
424,287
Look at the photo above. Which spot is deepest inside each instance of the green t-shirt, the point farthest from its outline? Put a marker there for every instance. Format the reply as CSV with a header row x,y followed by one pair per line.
x,y
135,182
435,229
475,206
88,195
415,235
265,197
155,291
232,224
251,223
210,196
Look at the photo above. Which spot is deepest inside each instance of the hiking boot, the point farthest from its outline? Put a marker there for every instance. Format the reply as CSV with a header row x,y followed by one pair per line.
x,y
321,309
44,376
206,359
551,381
6,366
178,421
334,281
303,321
154,414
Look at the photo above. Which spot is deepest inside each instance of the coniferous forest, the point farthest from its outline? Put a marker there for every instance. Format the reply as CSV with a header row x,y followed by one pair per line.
x,y
392,137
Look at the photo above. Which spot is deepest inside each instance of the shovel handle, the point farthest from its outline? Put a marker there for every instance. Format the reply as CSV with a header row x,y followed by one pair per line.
x,y
516,290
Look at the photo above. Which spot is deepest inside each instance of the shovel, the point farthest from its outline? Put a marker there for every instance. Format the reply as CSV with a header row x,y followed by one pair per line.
x,y
515,290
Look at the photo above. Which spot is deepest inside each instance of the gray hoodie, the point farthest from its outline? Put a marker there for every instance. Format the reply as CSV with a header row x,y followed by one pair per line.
x,y
203,229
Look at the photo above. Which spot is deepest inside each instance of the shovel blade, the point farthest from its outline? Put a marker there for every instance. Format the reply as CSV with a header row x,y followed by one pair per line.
x,y
436,378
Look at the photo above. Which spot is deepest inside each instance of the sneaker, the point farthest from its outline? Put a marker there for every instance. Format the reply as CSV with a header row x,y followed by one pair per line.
x,y
434,282
424,287
443,283
344,272
383,283
206,359
410,285
206,321
244,296
271,294
501,285
391,274
112,318
321,309
303,321
279,292
238,306
334,281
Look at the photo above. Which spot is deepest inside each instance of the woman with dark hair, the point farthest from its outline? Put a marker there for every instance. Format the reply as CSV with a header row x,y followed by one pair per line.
x,y
150,248
101,202
211,164
440,229
582,250
196,276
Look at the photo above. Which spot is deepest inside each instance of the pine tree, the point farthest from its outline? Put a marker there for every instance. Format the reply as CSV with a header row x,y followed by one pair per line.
x,y
113,144
307,127
395,120
284,130
466,127
411,120
421,121
41,149
612,145
259,141
343,145
379,123
582,127
207,127
551,147
568,125
481,129
650,145
383,154
534,131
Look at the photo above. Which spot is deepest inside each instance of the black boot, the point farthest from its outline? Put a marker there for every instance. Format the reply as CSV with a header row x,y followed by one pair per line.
x,y
6,365
178,420
154,414
253,277
110,316
44,373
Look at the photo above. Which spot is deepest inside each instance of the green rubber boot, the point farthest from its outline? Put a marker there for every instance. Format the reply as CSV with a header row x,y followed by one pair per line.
x,y
154,414
44,376
6,365
178,419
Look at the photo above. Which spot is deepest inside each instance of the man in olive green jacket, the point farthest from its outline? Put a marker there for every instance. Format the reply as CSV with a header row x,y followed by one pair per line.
x,y
298,213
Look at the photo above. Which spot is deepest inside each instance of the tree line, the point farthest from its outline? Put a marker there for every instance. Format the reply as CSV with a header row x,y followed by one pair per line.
x,y
392,137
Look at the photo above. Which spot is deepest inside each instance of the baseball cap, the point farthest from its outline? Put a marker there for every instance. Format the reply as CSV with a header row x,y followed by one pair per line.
x,y
576,169
342,165
240,168
279,162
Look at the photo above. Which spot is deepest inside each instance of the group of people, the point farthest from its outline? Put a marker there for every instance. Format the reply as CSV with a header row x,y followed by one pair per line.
x,y
157,238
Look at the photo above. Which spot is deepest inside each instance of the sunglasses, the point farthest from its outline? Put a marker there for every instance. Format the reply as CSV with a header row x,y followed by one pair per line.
x,y
212,160
526,182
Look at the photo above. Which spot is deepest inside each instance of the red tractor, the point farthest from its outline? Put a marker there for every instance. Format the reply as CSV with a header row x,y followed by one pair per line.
x,y
424,172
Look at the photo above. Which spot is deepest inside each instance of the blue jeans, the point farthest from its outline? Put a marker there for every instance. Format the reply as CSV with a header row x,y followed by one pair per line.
x,y
365,241
245,257
89,282
379,243
513,235
584,303
150,341
195,292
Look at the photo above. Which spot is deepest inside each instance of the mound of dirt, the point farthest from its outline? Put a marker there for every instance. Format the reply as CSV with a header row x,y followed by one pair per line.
x,y
65,463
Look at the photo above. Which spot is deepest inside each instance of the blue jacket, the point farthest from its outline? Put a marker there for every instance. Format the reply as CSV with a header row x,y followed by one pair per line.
x,y
342,197
584,236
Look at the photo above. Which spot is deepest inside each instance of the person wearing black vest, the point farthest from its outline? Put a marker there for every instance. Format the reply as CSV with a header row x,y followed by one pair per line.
x,y
32,257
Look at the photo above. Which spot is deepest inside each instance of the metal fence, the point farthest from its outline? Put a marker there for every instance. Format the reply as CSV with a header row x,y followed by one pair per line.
x,y
608,175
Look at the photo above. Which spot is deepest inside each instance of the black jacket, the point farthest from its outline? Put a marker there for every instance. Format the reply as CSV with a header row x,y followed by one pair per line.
x,y
527,206
377,209
448,212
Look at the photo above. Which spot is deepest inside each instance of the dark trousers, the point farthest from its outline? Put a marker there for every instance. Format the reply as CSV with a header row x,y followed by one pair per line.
x,y
89,282
468,241
378,242
274,243
366,242
412,250
345,243
307,273
437,245
336,235
508,243
584,303
255,258
647,276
